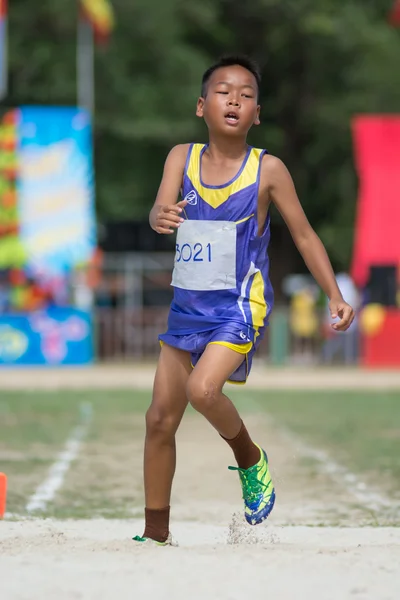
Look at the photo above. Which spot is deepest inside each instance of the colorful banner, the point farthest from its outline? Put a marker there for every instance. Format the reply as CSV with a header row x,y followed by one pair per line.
x,y
101,16
55,188
59,336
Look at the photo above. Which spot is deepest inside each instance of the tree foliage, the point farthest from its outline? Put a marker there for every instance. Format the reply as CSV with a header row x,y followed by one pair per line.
x,y
323,62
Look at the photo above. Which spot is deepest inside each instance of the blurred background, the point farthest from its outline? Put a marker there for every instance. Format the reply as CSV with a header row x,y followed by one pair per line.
x,y
94,93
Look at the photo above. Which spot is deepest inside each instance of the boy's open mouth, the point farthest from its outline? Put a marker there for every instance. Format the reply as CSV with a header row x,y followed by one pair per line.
x,y
232,118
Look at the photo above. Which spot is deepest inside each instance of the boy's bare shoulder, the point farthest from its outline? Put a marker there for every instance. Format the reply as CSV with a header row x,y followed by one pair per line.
x,y
274,172
272,165
179,152
176,159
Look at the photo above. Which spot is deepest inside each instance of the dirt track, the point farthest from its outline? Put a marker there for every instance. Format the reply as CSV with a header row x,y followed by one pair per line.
x,y
138,376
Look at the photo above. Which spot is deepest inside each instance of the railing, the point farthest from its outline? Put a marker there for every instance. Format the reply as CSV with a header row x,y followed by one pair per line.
x,y
132,309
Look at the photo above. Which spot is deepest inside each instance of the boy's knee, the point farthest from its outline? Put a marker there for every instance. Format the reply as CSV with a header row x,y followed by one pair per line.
x,y
202,394
160,422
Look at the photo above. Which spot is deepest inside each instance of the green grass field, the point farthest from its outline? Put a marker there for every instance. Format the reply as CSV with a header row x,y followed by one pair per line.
x,y
361,431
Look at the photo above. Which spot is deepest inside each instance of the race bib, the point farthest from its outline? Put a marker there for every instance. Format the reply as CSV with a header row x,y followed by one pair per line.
x,y
205,257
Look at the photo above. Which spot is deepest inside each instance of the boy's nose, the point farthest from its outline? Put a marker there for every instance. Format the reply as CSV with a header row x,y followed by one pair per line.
x,y
233,102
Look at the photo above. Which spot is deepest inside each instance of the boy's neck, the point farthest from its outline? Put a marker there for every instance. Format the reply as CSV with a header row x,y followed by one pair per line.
x,y
220,148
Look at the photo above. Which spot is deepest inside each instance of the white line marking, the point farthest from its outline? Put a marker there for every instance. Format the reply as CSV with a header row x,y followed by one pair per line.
x,y
46,492
368,497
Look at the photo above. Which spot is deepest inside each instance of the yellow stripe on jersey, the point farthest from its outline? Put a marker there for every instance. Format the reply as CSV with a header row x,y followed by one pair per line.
x,y
258,306
245,219
215,197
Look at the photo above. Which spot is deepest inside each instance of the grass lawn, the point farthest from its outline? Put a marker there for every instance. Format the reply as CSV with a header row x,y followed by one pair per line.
x,y
360,430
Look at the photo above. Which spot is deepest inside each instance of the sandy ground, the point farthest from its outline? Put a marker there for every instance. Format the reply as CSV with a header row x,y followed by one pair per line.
x,y
97,560
140,376
219,556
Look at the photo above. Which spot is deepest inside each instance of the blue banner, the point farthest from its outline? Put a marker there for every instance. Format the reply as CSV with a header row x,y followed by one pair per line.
x,y
58,336
56,187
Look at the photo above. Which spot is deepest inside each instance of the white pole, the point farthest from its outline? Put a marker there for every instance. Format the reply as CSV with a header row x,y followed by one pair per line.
x,y
85,65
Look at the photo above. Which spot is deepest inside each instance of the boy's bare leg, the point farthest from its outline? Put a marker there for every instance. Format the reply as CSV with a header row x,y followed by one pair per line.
x,y
204,391
162,420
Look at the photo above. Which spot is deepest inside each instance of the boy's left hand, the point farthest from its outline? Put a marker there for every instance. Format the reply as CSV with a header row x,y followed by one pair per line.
x,y
340,308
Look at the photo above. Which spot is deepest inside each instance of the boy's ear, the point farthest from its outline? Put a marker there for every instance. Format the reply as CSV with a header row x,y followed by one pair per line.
x,y
199,108
257,119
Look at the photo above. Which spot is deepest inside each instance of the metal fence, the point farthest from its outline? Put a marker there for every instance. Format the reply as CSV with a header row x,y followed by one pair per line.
x,y
132,304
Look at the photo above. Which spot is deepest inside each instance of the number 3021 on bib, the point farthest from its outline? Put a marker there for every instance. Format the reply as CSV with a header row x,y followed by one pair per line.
x,y
205,257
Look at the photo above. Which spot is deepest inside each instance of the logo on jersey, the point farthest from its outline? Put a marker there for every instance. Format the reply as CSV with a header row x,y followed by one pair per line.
x,y
191,198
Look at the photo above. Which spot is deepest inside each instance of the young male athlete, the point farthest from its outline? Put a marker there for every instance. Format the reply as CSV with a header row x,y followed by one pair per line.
x,y
222,293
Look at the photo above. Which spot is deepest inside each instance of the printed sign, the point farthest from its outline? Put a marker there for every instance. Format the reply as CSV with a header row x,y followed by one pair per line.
x,y
59,336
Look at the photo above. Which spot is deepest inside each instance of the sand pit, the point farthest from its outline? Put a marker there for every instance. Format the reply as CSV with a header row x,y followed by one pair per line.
x,y
96,559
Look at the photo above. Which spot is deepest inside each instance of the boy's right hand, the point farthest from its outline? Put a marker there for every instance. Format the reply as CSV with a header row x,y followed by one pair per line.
x,y
168,217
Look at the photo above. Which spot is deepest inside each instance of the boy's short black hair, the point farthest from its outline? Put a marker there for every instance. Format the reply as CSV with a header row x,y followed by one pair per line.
x,y
230,61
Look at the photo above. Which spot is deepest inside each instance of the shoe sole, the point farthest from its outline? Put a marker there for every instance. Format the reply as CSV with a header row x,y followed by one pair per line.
x,y
263,514
170,542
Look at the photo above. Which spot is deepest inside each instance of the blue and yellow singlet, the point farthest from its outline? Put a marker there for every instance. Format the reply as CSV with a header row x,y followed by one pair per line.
x,y
222,291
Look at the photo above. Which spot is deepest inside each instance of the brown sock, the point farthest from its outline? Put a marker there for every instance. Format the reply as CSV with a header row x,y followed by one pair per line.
x,y
157,523
247,454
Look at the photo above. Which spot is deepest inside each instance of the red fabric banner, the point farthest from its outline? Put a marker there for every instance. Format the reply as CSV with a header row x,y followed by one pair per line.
x,y
394,15
377,158
3,8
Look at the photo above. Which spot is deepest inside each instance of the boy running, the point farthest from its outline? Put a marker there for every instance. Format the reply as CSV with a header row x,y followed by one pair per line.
x,y
222,292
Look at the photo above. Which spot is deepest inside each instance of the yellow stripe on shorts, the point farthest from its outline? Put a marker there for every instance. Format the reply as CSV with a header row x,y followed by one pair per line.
x,y
240,348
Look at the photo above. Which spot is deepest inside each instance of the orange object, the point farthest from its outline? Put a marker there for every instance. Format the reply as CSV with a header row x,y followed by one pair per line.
x,y
372,319
9,199
3,494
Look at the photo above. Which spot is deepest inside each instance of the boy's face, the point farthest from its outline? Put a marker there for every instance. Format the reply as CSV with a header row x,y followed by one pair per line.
x,y
230,106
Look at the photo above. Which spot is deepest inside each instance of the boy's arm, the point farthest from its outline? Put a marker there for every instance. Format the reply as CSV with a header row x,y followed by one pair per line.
x,y
282,193
164,216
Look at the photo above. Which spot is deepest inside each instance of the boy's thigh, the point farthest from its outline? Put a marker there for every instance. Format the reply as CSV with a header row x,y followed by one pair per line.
x,y
172,374
217,363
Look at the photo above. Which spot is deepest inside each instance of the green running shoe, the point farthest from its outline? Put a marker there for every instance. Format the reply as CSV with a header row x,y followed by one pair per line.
x,y
168,542
258,490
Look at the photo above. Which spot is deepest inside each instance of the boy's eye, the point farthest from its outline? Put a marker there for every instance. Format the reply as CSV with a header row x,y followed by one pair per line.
x,y
247,96
222,92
